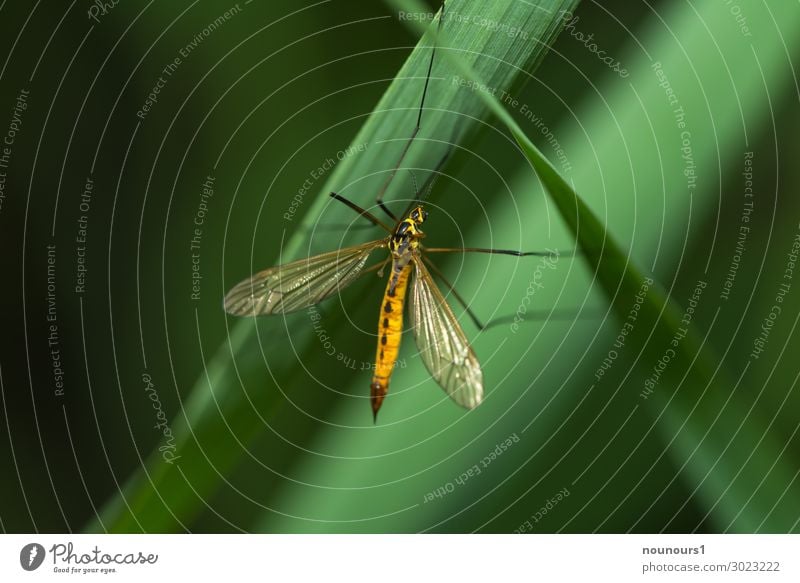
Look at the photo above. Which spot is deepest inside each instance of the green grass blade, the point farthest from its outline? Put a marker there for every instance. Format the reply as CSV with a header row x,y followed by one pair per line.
x,y
716,467
624,472
240,392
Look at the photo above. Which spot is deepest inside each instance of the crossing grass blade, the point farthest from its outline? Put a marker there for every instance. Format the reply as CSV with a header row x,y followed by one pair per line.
x,y
690,418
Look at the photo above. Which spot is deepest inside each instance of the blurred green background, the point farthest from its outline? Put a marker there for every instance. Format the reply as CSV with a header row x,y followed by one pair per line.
x,y
174,417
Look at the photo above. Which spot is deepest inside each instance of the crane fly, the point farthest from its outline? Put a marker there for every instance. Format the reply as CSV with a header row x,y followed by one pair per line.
x,y
442,344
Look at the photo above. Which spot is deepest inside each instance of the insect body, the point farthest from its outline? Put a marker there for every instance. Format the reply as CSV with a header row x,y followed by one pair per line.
x,y
404,245
442,344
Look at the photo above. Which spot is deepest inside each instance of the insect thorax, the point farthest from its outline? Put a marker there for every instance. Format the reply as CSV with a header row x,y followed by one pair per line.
x,y
407,234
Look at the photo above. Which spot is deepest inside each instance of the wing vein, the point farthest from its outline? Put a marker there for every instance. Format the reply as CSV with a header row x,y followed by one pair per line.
x,y
441,342
299,284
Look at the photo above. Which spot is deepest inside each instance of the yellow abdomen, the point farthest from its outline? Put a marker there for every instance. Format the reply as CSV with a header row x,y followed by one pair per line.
x,y
390,329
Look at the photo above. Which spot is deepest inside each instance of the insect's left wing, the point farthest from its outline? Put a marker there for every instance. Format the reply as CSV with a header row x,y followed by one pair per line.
x,y
441,341
299,284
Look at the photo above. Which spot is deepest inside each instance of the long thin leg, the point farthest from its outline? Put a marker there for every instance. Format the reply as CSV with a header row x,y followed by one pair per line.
x,y
532,315
385,209
379,198
549,315
498,251
363,212
456,295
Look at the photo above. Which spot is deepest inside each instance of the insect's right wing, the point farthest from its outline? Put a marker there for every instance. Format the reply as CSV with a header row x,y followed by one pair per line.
x,y
441,341
299,284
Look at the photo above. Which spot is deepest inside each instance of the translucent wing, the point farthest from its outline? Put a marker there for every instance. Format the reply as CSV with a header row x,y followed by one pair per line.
x,y
441,342
299,284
